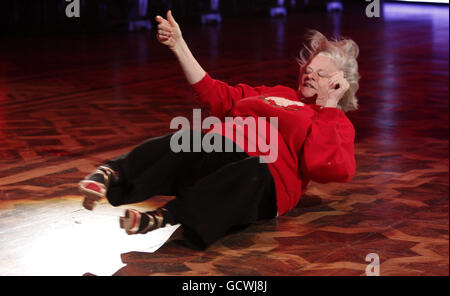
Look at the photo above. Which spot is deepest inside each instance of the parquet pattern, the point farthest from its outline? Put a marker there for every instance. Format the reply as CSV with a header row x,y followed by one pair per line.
x,y
68,103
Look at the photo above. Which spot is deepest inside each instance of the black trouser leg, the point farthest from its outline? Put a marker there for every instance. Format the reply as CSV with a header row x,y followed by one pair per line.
x,y
237,194
214,191
151,169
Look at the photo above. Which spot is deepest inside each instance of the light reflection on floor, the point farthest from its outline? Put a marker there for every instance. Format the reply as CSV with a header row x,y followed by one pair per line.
x,y
81,242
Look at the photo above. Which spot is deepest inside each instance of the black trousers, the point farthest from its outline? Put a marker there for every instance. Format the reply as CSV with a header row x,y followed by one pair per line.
x,y
215,192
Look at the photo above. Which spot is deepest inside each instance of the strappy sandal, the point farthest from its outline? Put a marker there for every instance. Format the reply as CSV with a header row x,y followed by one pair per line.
x,y
135,222
94,186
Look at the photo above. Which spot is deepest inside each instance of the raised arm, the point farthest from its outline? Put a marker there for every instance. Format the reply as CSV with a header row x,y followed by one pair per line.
x,y
169,34
217,96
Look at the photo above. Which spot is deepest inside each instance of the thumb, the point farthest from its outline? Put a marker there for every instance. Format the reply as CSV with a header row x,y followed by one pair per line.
x,y
170,18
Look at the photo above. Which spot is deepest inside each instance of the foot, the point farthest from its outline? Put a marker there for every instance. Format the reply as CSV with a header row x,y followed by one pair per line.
x,y
94,186
136,222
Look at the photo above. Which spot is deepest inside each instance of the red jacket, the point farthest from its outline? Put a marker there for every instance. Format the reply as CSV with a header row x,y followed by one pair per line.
x,y
314,143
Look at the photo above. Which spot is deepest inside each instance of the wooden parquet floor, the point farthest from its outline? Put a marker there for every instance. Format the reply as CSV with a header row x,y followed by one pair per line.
x,y
68,103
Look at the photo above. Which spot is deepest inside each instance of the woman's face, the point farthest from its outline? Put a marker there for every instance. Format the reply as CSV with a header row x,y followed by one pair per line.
x,y
314,79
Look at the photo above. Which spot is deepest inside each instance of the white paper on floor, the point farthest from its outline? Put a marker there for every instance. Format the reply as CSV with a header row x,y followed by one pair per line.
x,y
89,242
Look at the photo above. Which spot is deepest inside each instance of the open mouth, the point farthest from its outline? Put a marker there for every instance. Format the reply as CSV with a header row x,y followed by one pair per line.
x,y
307,84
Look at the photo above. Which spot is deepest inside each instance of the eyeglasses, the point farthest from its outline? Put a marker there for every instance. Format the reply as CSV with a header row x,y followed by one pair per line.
x,y
320,72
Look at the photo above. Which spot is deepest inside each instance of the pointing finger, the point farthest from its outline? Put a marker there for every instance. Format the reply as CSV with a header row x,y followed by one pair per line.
x,y
161,20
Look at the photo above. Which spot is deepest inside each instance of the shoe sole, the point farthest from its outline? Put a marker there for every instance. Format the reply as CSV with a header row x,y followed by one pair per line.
x,y
91,194
130,222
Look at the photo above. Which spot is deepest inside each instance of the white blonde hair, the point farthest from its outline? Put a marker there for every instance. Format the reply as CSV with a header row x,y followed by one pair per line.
x,y
343,52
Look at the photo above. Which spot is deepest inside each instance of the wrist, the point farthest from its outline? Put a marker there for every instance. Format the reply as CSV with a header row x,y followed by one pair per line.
x,y
326,102
330,104
179,47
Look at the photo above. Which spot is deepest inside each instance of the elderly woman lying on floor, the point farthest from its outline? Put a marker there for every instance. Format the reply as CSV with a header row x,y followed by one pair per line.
x,y
218,191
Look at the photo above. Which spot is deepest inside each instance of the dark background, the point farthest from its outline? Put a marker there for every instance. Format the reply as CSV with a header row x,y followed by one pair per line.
x,y
38,17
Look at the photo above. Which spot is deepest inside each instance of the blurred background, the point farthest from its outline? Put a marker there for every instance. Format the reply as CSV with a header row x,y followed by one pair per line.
x,y
34,17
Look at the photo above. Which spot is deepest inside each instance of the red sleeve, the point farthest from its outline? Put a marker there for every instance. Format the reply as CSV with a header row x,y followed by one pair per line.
x,y
328,153
219,97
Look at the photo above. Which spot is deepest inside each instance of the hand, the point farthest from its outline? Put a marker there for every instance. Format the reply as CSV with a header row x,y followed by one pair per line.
x,y
338,87
169,32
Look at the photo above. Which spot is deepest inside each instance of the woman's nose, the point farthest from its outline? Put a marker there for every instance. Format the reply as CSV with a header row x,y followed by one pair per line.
x,y
310,77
